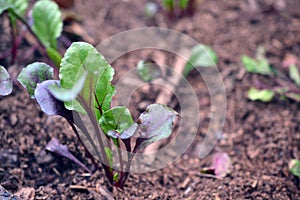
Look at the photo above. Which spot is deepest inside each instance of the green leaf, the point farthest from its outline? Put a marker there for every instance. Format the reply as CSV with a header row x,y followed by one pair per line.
x,y
117,119
201,56
156,123
294,166
47,23
168,4
54,56
6,85
81,58
259,66
148,70
183,4
18,6
68,94
33,74
294,74
261,95
104,91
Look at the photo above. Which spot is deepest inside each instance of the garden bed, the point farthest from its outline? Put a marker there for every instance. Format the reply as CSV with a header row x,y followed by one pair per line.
x,y
261,138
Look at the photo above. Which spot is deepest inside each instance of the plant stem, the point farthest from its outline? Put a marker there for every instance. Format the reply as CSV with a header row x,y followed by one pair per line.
x,y
92,117
43,47
120,157
78,136
14,48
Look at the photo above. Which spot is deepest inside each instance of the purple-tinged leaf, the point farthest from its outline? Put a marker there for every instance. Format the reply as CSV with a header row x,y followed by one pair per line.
x,y
6,85
33,74
156,123
221,162
125,136
221,165
55,147
48,103
128,133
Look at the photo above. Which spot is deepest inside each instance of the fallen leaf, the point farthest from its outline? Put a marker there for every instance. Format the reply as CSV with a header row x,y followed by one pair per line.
x,y
221,163
55,147
220,167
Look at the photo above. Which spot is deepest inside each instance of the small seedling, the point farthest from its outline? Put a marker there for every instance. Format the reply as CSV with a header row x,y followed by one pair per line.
x,y
148,70
201,56
45,25
294,166
178,7
286,86
85,90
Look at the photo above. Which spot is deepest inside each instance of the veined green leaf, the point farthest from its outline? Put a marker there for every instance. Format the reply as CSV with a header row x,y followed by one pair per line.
x,y
33,74
294,74
47,23
104,91
117,119
82,58
6,85
261,95
201,56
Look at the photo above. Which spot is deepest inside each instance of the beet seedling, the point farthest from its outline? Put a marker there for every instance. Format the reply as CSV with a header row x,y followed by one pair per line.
x,y
84,91
285,86
178,7
45,25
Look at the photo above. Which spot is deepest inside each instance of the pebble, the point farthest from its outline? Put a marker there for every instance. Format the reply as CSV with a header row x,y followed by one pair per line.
x,y
13,119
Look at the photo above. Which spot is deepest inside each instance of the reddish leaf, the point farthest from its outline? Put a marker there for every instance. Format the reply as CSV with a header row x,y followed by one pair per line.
x,y
55,147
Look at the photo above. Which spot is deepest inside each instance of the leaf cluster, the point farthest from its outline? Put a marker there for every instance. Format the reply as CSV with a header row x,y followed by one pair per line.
x,y
286,86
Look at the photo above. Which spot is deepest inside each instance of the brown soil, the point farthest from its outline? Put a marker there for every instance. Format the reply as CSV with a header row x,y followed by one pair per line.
x,y
260,138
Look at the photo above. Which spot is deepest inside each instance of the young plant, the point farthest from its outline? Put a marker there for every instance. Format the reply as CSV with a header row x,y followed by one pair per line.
x,y
178,7
201,56
84,91
285,86
46,25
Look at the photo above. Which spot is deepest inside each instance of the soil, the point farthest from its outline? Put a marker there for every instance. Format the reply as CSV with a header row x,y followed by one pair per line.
x,y
261,138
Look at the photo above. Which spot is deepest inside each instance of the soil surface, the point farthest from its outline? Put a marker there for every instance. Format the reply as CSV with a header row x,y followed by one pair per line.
x,y
260,138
